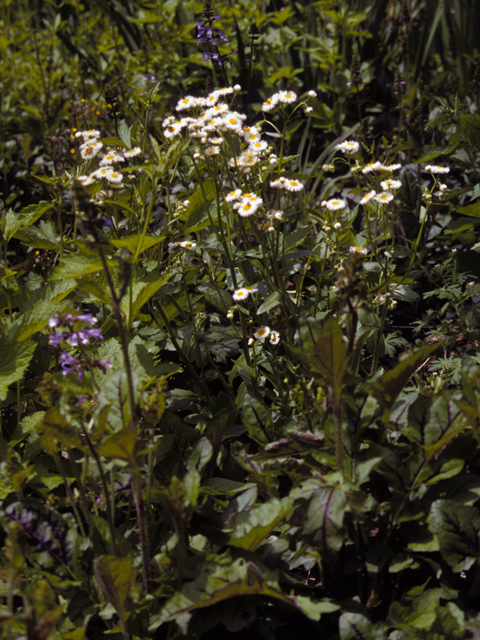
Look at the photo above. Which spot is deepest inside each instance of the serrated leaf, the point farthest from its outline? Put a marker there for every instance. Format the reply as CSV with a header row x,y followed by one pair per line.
x,y
115,396
11,223
116,577
78,265
136,244
29,215
472,210
15,357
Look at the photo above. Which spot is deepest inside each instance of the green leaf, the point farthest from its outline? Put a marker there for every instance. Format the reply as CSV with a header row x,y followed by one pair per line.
x,y
456,527
41,237
124,133
114,396
472,210
387,388
201,200
116,577
136,244
79,264
355,626
15,357
252,527
270,303
470,125
141,292
258,420
120,446
330,356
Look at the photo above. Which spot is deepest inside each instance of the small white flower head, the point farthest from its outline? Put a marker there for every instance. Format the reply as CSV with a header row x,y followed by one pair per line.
x,y
391,167
276,214
372,166
103,172
173,129
251,134
278,183
250,342
359,250
216,110
111,158
237,87
286,97
348,146
90,134
337,225
262,333
248,206
270,103
443,187
233,122
90,150
308,109
211,151
225,91
87,180
186,244
217,140
312,94
335,204
186,103
435,168
131,153
241,294
368,196
292,185
391,184
114,177
211,99
274,337
257,146
234,196
272,160
384,198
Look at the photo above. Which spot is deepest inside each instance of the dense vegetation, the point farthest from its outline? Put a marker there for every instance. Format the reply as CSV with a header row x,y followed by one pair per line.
x,y
239,351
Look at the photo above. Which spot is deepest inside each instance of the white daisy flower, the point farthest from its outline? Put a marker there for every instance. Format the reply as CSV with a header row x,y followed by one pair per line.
x,y
270,103
391,167
86,180
217,140
335,204
368,196
360,250
435,168
258,146
225,91
247,207
240,294
211,151
384,198
111,158
186,103
217,110
186,244
251,134
278,183
114,177
173,129
391,184
136,151
286,97
372,166
90,133
292,185
233,121
103,172
212,99
262,333
90,150
274,337
234,195
348,146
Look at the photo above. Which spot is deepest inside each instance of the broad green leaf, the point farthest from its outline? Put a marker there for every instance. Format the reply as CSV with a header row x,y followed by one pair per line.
x,y
356,626
116,577
120,446
270,303
456,527
141,292
41,237
10,223
29,215
419,614
124,133
136,244
330,356
201,200
258,420
218,298
15,357
472,210
79,264
387,388
252,527
470,125
114,395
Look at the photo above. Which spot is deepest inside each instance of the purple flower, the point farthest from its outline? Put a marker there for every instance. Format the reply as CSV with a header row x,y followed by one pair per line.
x,y
69,364
55,339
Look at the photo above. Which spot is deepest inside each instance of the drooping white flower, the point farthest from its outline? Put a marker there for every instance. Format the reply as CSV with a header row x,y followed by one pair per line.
x,y
391,184
372,166
234,196
360,250
435,168
274,337
348,146
368,196
278,183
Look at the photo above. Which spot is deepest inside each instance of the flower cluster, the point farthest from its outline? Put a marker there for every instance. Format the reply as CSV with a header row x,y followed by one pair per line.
x,y
75,338
91,148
